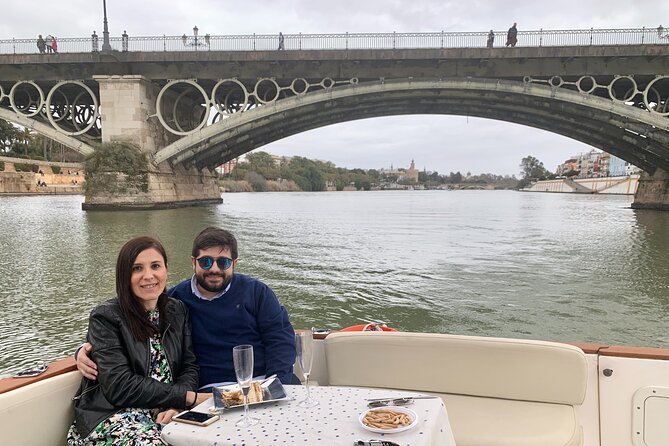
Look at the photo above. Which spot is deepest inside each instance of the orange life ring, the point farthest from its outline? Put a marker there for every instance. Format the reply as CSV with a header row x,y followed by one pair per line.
x,y
368,327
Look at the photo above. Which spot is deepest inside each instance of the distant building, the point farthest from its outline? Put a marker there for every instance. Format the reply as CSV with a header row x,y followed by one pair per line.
x,y
597,164
617,167
410,174
228,167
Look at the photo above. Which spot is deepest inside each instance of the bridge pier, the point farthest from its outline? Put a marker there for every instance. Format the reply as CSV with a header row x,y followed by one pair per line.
x,y
127,106
653,191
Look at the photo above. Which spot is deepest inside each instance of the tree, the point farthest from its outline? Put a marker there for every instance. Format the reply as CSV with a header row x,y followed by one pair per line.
x,y
262,163
8,135
533,169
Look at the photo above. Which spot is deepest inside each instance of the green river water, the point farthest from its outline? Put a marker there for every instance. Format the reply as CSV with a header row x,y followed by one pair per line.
x,y
495,263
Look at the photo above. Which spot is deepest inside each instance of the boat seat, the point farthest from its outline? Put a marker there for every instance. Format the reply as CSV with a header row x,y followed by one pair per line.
x,y
39,414
502,392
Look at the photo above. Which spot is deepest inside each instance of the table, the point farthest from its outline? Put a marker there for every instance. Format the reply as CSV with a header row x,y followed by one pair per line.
x,y
333,422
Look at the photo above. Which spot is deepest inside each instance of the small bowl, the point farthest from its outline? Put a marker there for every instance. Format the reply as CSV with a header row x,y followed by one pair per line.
x,y
412,416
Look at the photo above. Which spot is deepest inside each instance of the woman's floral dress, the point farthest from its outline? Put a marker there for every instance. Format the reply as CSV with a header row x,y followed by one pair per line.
x,y
130,426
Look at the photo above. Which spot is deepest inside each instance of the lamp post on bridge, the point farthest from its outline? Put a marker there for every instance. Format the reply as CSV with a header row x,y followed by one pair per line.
x,y
106,47
195,42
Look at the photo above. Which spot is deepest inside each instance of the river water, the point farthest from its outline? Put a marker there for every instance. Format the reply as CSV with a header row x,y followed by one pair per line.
x,y
496,263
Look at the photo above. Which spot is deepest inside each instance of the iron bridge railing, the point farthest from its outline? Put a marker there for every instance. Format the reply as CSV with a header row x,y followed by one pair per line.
x,y
349,41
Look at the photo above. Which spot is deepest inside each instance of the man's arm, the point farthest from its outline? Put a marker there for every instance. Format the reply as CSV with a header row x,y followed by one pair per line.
x,y
85,364
278,337
120,385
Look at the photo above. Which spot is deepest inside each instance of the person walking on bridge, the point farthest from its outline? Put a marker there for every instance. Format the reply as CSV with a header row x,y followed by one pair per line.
x,y
281,46
41,44
491,39
511,36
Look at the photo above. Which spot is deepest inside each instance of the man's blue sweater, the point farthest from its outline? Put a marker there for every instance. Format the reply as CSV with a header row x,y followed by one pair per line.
x,y
248,313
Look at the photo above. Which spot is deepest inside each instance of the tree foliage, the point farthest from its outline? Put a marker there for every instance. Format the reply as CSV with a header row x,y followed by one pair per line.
x,y
21,142
116,167
532,168
314,175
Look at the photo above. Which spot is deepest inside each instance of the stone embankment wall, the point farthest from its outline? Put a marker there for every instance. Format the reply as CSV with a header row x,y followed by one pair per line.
x,y
610,185
13,182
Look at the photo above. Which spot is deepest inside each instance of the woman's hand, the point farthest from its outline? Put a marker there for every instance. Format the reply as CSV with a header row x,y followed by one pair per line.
x,y
166,416
84,362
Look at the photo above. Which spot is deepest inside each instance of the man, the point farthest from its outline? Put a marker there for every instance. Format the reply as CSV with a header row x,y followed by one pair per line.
x,y
511,36
41,44
227,309
491,39
281,47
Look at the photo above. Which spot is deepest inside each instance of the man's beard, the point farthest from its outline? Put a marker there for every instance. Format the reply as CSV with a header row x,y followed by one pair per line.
x,y
212,289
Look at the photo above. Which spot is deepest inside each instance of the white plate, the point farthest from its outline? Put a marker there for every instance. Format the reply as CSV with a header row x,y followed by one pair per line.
x,y
412,415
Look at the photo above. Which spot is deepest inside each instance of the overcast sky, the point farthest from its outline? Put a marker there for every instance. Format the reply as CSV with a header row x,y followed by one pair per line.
x,y
441,143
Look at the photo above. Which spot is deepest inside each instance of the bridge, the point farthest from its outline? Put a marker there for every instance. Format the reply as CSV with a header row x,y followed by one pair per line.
x,y
192,108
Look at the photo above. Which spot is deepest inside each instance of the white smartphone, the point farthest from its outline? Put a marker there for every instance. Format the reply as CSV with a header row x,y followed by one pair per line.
x,y
196,418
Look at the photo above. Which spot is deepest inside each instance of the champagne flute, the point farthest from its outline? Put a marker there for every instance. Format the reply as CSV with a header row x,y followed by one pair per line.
x,y
304,347
242,357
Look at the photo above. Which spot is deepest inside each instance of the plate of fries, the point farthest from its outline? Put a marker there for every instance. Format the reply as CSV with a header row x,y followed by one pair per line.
x,y
388,419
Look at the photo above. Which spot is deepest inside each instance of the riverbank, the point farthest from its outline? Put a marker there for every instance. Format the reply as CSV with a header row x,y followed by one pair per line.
x,y
35,177
30,183
623,185
266,186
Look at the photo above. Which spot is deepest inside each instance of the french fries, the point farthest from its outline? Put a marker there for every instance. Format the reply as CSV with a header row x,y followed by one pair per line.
x,y
386,419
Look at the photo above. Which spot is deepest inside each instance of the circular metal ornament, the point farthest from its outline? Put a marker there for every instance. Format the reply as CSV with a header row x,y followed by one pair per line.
x,y
294,86
227,107
17,109
634,90
159,113
581,80
327,83
94,101
555,81
264,99
661,109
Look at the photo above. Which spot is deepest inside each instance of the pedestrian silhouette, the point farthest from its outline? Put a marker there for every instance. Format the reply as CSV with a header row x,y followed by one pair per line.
x,y
281,47
491,39
94,42
124,41
511,36
49,43
41,44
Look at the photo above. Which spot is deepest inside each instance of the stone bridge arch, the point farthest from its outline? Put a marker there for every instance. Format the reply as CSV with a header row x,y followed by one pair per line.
x,y
636,135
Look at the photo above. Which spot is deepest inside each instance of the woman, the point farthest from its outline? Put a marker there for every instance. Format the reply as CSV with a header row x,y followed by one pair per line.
x,y
142,345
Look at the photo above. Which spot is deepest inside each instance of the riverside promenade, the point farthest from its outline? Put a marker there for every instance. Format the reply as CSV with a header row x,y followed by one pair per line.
x,y
36,177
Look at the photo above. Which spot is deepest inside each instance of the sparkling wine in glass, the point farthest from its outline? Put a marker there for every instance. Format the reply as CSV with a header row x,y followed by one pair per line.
x,y
242,357
304,347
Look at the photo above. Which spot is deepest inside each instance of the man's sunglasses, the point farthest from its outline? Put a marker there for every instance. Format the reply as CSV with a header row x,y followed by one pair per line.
x,y
206,262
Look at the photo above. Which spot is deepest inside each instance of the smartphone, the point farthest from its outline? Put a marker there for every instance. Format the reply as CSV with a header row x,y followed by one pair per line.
x,y
196,418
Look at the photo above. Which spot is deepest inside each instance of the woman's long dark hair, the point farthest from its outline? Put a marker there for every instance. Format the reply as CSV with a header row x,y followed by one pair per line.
x,y
133,310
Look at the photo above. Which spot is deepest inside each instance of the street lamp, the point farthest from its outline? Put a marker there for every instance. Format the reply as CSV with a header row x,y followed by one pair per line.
x,y
195,41
106,47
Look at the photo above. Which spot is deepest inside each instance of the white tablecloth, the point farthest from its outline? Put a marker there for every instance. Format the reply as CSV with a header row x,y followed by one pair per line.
x,y
333,422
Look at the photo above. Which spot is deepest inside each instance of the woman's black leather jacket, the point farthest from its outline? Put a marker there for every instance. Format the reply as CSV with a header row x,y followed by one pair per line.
x,y
123,366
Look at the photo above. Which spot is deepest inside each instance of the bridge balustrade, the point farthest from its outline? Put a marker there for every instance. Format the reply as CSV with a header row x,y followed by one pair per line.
x,y
354,41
